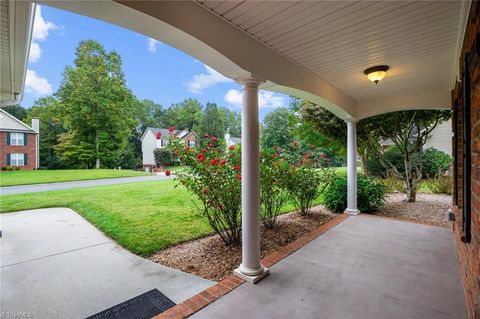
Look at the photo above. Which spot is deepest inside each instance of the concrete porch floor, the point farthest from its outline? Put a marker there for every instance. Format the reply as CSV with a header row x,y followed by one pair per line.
x,y
365,267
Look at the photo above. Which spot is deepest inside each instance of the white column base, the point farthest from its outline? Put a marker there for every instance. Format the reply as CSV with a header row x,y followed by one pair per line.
x,y
353,212
253,279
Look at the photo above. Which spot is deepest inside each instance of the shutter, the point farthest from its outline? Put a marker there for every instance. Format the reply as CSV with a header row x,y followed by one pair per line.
x,y
25,139
8,139
8,159
467,154
25,159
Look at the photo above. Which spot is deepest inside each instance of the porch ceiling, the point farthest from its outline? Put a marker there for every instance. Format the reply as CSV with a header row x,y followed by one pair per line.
x,y
313,50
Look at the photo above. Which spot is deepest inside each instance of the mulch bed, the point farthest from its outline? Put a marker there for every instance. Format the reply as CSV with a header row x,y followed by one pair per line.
x,y
429,208
209,257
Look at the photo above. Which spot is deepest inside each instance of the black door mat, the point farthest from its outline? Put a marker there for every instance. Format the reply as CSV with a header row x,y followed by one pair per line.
x,y
144,306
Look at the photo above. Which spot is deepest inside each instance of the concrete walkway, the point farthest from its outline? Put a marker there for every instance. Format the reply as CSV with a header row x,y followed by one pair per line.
x,y
21,189
365,267
54,264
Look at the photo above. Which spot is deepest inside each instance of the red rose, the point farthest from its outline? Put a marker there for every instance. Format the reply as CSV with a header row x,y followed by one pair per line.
x,y
213,162
159,135
206,135
237,167
201,159
187,148
167,172
177,152
223,162
204,150
213,139
231,147
199,155
239,177
220,206
205,191
170,129
211,145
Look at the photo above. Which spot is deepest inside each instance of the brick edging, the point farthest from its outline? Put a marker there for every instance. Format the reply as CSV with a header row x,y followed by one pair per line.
x,y
209,295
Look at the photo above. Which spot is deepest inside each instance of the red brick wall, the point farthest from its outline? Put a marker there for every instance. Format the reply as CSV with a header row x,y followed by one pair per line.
x,y
469,253
29,149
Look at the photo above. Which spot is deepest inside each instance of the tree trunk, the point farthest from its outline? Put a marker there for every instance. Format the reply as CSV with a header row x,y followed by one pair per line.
x,y
410,181
97,164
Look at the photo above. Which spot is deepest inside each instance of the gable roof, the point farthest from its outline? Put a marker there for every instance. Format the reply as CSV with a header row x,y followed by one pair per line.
x,y
20,126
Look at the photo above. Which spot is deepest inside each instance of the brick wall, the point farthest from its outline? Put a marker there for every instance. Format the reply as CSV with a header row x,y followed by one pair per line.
x,y
29,149
469,253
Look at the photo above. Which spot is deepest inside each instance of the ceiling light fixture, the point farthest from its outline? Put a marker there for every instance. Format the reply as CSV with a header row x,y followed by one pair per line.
x,y
376,73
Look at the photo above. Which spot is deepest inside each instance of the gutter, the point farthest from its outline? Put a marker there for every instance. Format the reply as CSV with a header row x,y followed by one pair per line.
x,y
16,100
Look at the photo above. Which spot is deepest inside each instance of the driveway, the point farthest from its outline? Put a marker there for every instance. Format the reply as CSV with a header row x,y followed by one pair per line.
x,y
363,268
54,264
78,184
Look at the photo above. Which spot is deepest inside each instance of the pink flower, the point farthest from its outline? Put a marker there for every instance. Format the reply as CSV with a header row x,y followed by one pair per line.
x,y
167,172
231,147
213,139
171,129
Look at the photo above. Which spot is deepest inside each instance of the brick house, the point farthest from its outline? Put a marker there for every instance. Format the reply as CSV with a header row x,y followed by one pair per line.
x,y
19,143
154,138
466,150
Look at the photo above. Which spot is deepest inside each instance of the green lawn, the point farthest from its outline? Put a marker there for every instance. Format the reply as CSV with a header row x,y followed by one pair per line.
x,y
53,176
142,217
342,171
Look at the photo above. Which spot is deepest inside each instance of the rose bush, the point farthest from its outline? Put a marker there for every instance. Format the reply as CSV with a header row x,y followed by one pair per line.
x,y
215,178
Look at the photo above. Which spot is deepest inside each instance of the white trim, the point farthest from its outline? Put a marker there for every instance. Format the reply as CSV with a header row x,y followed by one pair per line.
x,y
464,13
17,120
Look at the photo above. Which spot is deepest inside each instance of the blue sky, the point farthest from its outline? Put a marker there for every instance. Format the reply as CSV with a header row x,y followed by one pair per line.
x,y
153,70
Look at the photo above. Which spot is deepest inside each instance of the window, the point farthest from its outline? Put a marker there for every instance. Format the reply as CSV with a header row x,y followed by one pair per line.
x,y
17,159
191,144
17,139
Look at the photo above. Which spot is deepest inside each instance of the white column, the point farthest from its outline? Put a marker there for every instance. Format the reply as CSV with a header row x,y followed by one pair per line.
x,y
352,168
250,269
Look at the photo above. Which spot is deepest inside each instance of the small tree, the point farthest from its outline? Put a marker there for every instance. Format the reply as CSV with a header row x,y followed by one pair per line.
x,y
163,157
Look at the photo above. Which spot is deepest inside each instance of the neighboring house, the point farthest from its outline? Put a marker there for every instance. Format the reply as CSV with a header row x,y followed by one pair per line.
x,y
19,143
229,140
440,138
154,138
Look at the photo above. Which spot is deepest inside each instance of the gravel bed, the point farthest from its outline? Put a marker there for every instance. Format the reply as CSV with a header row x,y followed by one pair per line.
x,y
428,209
209,257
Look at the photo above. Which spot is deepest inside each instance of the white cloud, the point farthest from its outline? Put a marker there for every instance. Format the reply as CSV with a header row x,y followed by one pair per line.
x,y
41,28
37,85
152,45
35,52
266,99
201,81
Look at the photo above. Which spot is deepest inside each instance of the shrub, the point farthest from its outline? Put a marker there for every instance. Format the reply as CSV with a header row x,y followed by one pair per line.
x,y
273,189
392,184
391,154
370,195
308,178
10,168
441,183
435,162
3,168
215,178
163,157
17,168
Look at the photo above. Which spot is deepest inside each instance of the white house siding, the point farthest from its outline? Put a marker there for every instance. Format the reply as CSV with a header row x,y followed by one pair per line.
x,y
441,138
149,143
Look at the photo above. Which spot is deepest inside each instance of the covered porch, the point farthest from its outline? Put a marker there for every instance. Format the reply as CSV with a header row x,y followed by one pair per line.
x,y
365,267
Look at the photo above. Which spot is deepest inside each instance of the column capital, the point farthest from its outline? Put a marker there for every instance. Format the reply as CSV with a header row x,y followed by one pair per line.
x,y
351,121
249,81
